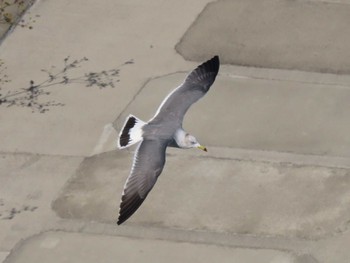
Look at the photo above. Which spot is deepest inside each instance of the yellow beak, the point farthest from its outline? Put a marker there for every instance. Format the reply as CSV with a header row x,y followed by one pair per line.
x,y
203,148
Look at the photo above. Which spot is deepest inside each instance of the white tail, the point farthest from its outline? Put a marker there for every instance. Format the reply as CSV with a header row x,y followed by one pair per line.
x,y
131,132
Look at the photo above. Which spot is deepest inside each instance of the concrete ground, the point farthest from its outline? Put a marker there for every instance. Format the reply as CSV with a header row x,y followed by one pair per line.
x,y
11,13
274,185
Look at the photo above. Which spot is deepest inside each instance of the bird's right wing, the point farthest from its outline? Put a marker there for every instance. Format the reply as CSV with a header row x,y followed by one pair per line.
x,y
149,160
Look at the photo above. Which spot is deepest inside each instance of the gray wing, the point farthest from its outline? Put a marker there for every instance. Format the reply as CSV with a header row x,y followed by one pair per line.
x,y
195,86
148,164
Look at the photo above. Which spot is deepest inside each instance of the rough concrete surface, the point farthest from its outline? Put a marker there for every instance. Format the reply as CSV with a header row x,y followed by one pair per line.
x,y
307,207
261,114
28,184
303,35
274,186
52,247
3,255
100,32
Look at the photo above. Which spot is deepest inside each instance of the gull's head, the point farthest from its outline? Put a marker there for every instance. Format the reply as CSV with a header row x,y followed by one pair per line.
x,y
191,142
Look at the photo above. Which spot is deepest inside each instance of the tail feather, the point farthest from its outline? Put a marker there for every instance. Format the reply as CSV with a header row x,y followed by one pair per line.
x,y
131,132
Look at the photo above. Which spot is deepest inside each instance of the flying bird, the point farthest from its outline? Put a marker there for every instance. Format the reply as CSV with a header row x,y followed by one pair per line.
x,y
163,130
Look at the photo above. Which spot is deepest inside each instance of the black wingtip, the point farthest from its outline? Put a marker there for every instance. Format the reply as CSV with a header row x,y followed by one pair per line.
x,y
124,138
128,207
205,73
211,65
215,60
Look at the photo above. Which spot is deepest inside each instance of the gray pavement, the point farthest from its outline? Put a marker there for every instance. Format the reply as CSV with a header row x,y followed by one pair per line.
x,y
269,33
53,247
274,186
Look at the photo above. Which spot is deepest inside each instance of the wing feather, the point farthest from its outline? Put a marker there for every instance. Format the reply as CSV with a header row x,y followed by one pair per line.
x,y
148,164
195,86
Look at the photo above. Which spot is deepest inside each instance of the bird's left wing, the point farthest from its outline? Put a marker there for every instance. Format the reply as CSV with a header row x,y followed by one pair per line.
x,y
195,86
149,160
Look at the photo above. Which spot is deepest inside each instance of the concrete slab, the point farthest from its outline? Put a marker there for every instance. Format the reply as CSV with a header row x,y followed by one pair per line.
x,y
233,203
260,114
304,35
75,128
214,194
28,184
73,247
334,249
3,255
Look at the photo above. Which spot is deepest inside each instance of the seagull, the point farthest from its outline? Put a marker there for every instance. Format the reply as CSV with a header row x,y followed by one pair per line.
x,y
163,130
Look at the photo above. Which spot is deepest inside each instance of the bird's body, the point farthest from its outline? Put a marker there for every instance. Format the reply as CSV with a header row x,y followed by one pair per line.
x,y
163,130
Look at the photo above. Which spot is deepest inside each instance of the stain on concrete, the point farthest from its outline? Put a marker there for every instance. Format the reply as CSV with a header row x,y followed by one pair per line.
x,y
9,210
273,34
245,113
231,196
82,247
305,259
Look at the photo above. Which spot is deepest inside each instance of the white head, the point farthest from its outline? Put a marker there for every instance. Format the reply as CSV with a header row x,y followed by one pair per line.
x,y
191,142
187,141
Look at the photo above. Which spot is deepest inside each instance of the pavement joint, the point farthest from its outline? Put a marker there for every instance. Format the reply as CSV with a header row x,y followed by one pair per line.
x,y
228,153
290,245
107,132
323,83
